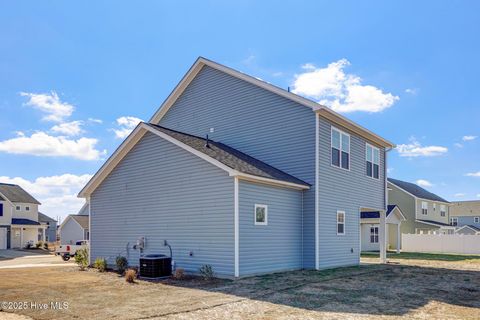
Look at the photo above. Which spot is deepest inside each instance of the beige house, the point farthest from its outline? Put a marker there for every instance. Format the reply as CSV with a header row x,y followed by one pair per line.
x,y
19,224
465,215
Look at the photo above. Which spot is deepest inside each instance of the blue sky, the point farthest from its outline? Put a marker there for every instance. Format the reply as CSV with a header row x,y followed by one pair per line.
x,y
72,73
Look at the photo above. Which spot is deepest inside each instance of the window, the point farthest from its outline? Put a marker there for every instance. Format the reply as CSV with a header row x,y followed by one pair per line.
x,y
27,208
373,161
373,234
340,149
424,208
434,207
340,222
443,210
454,222
261,214
17,208
1,209
476,219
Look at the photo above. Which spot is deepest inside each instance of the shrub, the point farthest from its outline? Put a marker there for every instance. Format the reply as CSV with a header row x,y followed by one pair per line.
x,y
207,272
179,273
130,275
45,245
81,258
39,244
100,264
122,264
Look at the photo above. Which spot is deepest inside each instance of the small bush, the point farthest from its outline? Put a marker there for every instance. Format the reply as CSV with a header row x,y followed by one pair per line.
x,y
45,245
100,264
179,273
81,258
122,264
39,244
207,272
130,275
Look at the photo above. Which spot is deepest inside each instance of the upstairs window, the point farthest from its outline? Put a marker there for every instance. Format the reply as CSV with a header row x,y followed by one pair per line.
x,y
340,149
17,208
373,161
443,210
27,208
434,207
373,234
340,222
1,209
424,208
476,219
454,222
261,214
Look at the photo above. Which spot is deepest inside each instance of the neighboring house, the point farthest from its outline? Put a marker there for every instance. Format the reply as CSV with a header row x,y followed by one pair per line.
x,y
75,227
51,229
19,223
425,212
465,215
278,185
370,227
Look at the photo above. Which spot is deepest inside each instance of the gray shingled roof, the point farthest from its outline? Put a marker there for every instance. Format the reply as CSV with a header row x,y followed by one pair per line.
x,y
82,220
416,190
15,193
44,218
231,157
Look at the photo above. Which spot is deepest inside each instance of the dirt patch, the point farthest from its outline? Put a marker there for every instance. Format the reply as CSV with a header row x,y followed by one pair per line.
x,y
442,290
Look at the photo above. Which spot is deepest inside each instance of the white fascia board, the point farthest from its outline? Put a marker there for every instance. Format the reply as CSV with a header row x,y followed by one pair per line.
x,y
316,107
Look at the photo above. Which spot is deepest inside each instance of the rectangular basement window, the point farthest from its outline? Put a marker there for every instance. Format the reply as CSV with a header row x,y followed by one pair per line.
x,y
261,214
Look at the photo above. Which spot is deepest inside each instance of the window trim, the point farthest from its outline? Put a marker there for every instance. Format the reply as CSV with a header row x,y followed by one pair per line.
x,y
27,208
255,215
443,210
453,219
341,212
332,128
476,219
426,209
18,208
373,163
375,235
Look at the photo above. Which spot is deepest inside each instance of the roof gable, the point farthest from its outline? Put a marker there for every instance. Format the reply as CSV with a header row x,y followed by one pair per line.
x,y
44,218
15,193
416,190
226,158
316,107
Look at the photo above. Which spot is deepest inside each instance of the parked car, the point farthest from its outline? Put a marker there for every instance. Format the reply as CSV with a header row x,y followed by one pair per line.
x,y
66,251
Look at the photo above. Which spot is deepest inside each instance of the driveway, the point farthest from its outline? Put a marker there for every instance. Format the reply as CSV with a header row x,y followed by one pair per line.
x,y
30,259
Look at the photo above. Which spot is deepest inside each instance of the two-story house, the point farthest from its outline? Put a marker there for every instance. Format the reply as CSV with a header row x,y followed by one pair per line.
x,y
465,215
241,175
19,223
425,212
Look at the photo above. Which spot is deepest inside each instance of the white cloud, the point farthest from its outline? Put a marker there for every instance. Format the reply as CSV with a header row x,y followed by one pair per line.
x,y
43,144
72,128
469,138
473,174
458,145
459,195
411,91
95,120
415,149
50,104
58,194
390,170
126,125
424,183
332,87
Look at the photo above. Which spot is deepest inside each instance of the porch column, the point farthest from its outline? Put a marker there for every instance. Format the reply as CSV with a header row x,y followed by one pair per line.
x,y
382,238
398,238
21,238
43,235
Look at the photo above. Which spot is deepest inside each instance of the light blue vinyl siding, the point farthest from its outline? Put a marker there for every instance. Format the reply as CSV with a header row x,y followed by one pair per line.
x,y
344,190
257,122
276,246
163,192
467,220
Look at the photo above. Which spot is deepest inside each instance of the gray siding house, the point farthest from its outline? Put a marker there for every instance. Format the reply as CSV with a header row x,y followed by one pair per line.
x,y
465,215
278,184
51,229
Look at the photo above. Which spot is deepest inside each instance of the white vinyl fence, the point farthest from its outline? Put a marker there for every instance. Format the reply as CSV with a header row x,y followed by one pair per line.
x,y
441,243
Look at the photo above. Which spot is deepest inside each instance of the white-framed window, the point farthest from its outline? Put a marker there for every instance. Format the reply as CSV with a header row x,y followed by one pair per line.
x,y
373,161
261,214
443,210
434,207
340,149
17,208
340,222
27,208
476,219
424,207
454,222
373,234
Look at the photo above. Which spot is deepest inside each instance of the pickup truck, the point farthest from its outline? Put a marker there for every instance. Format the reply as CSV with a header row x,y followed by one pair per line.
x,y
66,251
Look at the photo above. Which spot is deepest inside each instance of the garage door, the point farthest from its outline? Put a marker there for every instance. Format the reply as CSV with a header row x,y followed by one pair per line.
x,y
3,238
